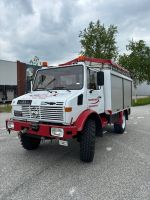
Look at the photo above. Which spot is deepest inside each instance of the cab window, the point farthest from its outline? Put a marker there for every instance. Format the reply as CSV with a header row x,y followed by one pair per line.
x,y
92,80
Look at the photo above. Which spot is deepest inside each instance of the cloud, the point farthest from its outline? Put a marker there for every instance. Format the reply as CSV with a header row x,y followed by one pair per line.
x,y
50,29
18,5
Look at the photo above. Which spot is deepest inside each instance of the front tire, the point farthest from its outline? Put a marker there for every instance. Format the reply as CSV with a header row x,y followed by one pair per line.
x,y
120,128
29,143
87,143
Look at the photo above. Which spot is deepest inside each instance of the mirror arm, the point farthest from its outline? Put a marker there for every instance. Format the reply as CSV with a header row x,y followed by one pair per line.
x,y
31,85
91,90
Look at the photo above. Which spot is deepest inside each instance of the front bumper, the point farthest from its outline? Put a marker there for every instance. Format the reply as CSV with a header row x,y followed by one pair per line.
x,y
40,129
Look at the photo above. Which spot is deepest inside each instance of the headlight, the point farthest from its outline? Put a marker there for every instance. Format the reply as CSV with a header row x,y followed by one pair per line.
x,y
58,132
10,125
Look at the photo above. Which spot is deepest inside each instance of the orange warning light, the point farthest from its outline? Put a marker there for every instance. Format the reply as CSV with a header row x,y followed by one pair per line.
x,y
45,64
81,58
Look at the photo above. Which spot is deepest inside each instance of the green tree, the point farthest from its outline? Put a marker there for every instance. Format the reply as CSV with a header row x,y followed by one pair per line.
x,y
137,61
99,42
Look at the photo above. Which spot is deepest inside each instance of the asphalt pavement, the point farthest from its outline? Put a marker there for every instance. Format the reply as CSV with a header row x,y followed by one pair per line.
x,y
120,170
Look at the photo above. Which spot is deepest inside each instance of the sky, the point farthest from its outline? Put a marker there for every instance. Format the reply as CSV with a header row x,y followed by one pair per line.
x,y
49,29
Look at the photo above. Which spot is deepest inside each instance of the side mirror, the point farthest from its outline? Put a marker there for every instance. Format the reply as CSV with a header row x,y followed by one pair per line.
x,y
42,78
100,78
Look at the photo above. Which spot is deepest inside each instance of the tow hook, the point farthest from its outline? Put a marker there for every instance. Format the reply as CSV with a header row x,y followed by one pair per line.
x,y
22,132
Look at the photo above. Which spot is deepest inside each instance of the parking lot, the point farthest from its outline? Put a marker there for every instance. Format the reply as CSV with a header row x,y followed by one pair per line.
x,y
120,170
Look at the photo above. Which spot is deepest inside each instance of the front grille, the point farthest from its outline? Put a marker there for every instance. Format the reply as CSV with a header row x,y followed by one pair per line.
x,y
44,113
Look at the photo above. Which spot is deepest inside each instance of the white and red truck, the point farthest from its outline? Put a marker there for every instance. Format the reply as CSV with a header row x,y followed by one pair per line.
x,y
74,100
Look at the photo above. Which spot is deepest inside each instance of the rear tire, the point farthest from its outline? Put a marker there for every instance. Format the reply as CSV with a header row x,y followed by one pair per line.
x,y
87,143
120,128
29,143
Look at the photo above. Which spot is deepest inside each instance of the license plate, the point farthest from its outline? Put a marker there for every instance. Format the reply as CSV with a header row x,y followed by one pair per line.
x,y
63,143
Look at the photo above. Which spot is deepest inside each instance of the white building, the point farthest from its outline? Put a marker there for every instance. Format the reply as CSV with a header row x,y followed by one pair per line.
x,y
142,90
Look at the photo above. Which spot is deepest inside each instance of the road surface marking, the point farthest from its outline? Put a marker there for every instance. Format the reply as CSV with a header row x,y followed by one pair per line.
x,y
108,148
140,117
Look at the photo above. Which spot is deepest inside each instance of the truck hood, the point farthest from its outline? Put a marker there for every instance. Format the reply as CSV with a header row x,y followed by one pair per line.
x,y
39,97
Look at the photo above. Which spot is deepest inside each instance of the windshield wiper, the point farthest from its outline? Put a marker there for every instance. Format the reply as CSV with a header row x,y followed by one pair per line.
x,y
50,82
59,88
38,89
45,88
41,89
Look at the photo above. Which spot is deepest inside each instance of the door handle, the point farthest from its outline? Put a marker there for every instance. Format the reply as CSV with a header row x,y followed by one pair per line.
x,y
99,97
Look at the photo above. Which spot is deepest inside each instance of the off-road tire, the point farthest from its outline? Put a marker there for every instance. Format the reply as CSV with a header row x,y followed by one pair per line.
x,y
29,143
99,133
87,143
120,128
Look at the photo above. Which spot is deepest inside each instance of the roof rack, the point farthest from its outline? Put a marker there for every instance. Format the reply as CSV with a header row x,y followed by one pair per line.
x,y
99,63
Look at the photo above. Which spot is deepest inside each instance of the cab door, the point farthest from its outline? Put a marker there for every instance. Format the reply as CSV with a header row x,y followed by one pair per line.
x,y
95,95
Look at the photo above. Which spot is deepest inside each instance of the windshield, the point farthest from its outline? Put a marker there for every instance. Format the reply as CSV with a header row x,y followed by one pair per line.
x,y
61,78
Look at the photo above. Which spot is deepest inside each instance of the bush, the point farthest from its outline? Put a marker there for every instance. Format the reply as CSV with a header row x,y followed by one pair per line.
x,y
5,108
141,101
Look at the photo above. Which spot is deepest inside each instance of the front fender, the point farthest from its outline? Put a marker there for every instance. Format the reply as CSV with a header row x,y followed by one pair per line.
x,y
80,122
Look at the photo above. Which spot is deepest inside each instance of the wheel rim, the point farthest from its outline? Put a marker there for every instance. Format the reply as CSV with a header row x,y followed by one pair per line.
x,y
123,121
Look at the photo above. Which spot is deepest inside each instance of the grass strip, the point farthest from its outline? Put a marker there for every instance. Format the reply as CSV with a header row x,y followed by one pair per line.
x,y
141,101
5,108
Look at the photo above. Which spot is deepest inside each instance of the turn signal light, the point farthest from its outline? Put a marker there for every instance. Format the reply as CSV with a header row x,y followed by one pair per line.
x,y
68,109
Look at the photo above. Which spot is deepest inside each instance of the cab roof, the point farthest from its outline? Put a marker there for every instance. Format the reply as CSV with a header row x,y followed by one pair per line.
x,y
95,60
